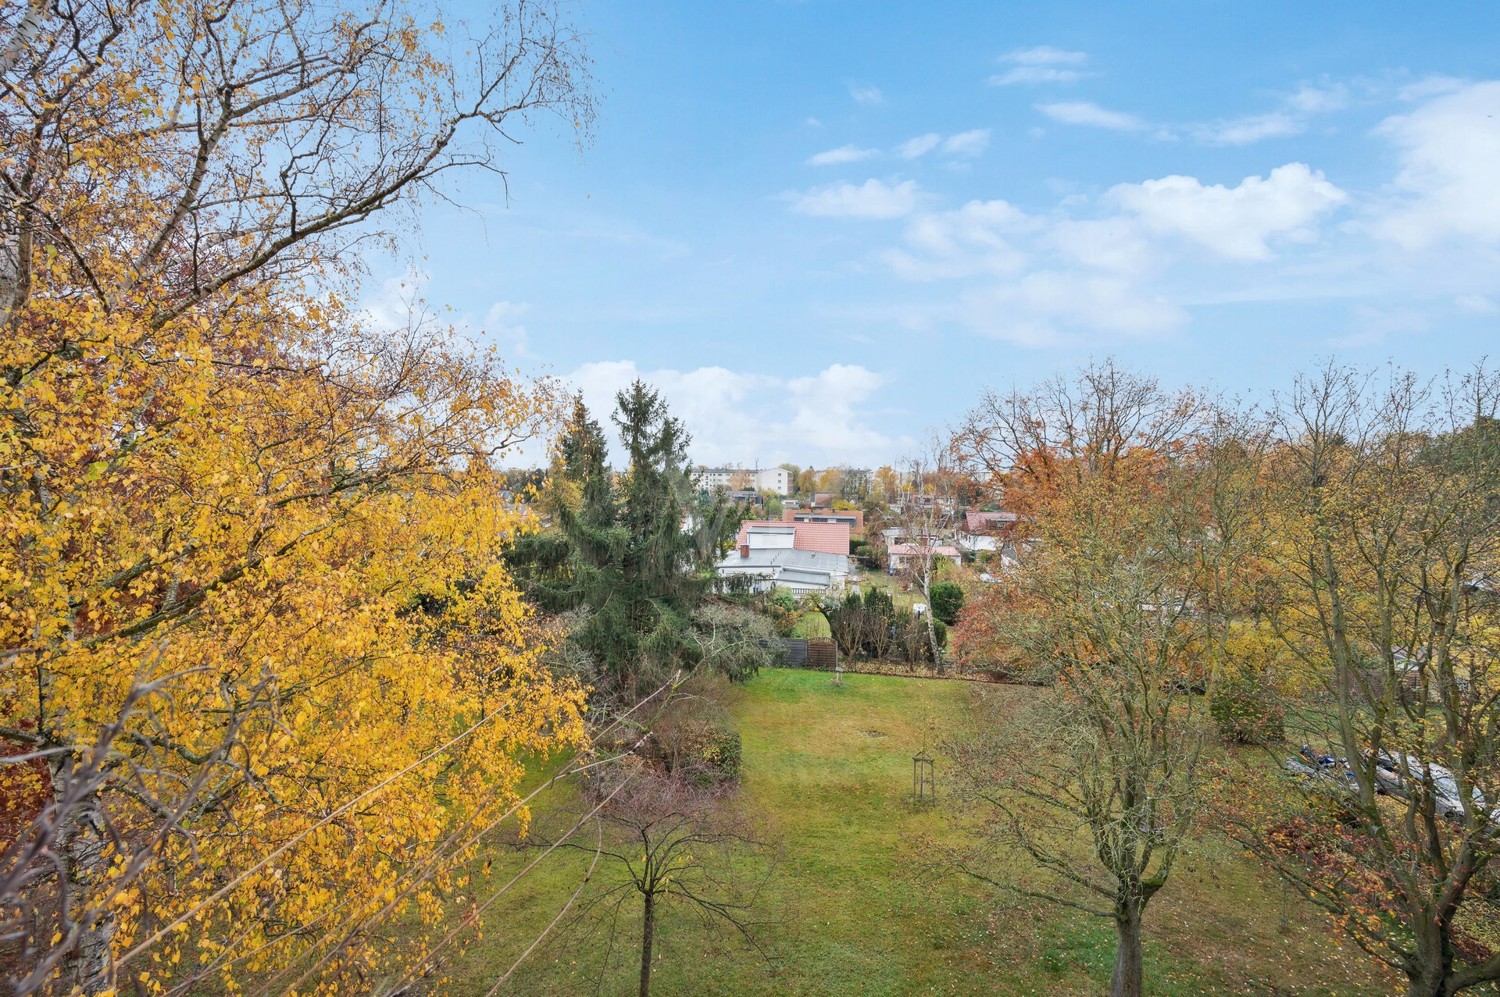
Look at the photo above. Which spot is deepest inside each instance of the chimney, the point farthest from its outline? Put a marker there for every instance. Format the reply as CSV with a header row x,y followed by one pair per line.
x,y
744,550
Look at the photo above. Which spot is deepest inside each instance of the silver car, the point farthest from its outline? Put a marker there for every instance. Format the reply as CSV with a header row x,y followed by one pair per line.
x,y
1399,774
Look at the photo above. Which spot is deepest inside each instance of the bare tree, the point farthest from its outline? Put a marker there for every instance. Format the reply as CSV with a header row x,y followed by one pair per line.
x,y
925,518
1029,442
672,842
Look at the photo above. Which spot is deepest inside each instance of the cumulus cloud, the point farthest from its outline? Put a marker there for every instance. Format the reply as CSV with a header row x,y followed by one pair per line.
x,y
743,418
969,143
913,148
1115,244
1449,182
873,199
1043,64
1083,112
867,95
1234,222
975,239
843,154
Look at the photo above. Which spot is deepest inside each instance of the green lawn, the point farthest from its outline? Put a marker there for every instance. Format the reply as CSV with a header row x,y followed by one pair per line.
x,y
852,906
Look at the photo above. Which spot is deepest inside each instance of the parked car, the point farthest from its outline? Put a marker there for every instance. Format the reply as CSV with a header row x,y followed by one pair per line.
x,y
1332,772
1401,774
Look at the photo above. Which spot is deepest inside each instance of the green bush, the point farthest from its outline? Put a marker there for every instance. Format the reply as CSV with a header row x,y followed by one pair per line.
x,y
947,600
1248,711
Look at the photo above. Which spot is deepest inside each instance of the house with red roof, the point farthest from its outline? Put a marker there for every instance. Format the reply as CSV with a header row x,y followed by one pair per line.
x,y
983,531
826,538
853,518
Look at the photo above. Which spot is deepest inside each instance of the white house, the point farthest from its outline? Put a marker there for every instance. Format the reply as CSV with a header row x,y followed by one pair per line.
x,y
767,554
900,555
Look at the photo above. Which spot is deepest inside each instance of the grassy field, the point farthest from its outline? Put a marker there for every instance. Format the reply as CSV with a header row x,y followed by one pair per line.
x,y
852,905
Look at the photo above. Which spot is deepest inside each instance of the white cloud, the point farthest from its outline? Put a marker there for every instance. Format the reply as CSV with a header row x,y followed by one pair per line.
x,y
1293,117
873,199
969,143
912,148
1476,304
742,418
501,324
1033,75
975,239
843,154
1254,128
1045,55
868,95
1116,244
1234,222
1048,308
1092,115
1449,183
396,303
1043,64
1319,100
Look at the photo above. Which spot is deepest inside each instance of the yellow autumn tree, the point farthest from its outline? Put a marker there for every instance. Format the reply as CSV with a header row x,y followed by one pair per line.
x,y
255,640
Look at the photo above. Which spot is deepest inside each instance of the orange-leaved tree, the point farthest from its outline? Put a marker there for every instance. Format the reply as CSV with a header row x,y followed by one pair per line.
x,y
1137,523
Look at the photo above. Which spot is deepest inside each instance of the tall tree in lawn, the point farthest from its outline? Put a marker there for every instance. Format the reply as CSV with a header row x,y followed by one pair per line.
x,y
1106,608
925,518
1387,541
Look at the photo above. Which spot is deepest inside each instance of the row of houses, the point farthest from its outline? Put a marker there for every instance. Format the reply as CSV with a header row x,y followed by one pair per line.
x,y
976,533
808,549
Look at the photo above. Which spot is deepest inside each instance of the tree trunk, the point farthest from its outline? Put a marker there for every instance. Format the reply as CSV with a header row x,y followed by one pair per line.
x,y
648,933
1126,981
1435,952
937,652
80,838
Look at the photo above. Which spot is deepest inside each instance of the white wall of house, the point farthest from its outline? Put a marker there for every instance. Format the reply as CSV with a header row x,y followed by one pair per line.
x,y
770,538
774,479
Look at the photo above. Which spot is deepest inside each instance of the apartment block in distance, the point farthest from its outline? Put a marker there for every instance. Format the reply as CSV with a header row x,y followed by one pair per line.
x,y
763,479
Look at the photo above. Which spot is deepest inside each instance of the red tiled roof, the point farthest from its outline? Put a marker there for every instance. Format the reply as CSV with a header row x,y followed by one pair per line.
x,y
826,538
978,522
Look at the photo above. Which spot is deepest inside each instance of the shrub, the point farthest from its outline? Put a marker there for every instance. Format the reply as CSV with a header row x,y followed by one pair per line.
x,y
947,600
1248,711
731,640
707,753
695,737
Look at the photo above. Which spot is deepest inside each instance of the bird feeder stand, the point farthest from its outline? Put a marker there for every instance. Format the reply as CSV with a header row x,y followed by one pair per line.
x,y
923,786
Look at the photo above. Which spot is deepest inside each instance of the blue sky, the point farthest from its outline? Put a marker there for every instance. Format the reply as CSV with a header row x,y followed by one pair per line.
x,y
823,228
